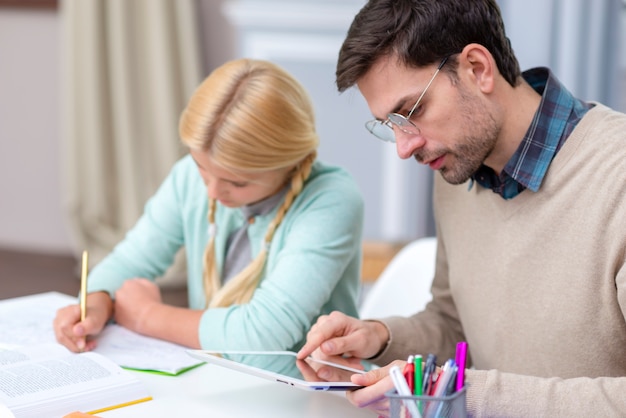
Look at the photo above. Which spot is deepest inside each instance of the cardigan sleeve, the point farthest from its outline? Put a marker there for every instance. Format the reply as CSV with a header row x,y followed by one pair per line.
x,y
149,247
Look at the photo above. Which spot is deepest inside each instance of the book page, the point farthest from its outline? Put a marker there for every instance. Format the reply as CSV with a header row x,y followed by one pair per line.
x,y
13,356
28,320
28,378
60,382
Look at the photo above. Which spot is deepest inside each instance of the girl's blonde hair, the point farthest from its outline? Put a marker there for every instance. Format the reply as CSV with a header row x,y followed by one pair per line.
x,y
251,116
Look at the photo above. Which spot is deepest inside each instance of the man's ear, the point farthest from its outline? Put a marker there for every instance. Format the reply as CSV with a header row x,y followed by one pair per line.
x,y
477,64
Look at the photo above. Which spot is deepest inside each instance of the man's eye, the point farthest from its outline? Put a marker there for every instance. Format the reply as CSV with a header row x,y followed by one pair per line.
x,y
417,111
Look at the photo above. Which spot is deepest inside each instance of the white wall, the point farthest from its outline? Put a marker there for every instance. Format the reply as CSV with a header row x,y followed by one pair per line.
x,y
31,206
623,60
305,37
591,63
31,215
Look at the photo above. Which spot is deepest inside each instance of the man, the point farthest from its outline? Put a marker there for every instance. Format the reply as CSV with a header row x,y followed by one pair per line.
x,y
530,212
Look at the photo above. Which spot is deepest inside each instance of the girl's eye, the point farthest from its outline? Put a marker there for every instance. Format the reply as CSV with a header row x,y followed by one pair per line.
x,y
239,185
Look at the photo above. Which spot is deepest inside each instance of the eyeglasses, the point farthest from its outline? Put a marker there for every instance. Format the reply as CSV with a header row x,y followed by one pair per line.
x,y
384,130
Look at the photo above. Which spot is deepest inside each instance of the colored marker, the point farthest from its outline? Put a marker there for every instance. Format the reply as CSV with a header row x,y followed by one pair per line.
x,y
409,372
460,360
417,366
429,372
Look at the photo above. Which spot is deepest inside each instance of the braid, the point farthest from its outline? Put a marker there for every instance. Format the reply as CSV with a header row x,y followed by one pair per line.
x,y
297,181
241,288
209,275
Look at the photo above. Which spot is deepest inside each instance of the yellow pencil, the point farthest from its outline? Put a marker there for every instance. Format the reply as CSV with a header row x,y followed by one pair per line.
x,y
83,286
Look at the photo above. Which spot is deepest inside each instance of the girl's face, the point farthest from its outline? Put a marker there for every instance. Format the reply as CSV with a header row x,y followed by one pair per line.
x,y
234,189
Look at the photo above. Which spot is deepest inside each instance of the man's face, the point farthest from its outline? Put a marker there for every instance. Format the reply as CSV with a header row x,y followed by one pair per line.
x,y
457,130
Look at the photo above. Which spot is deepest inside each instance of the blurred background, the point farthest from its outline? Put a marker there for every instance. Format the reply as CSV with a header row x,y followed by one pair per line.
x,y
91,91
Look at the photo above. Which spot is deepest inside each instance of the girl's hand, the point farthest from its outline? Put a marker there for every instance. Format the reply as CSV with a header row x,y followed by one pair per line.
x,y
72,332
134,301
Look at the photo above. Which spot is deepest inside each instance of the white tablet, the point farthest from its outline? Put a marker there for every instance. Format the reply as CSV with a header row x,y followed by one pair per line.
x,y
280,366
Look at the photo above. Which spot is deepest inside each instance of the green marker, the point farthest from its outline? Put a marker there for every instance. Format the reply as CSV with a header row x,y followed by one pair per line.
x,y
417,386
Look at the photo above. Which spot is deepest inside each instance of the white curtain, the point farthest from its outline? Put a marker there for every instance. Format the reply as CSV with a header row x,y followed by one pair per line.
x,y
129,68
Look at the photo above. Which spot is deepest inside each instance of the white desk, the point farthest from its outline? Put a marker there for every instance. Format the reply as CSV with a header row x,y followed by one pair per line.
x,y
206,391
214,391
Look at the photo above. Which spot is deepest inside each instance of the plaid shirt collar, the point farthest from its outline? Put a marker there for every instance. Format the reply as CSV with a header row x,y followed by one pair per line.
x,y
558,114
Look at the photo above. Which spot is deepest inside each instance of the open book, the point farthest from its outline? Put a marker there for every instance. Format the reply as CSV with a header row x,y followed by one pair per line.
x,y
27,321
49,381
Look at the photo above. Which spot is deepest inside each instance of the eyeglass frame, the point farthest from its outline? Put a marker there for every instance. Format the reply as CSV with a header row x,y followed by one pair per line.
x,y
402,122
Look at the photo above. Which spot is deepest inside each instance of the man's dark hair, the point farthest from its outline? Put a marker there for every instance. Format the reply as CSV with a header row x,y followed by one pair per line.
x,y
422,32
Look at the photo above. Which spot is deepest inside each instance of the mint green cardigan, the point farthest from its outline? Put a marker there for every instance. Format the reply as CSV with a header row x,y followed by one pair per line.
x,y
313,265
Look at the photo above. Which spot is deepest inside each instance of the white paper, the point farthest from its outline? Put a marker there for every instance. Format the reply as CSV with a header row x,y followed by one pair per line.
x,y
132,350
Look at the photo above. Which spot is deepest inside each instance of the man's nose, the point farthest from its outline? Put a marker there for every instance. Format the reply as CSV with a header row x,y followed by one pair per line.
x,y
407,144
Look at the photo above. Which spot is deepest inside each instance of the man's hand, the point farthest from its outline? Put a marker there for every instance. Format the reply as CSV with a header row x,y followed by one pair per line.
x,y
377,382
329,369
340,335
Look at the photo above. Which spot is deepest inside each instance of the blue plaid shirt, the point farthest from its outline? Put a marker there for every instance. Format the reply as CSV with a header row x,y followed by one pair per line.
x,y
556,118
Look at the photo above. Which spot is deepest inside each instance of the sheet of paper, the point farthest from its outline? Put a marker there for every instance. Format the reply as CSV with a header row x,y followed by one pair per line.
x,y
135,351
28,320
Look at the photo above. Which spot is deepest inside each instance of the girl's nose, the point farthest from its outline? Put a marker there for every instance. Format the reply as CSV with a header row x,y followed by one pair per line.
x,y
214,190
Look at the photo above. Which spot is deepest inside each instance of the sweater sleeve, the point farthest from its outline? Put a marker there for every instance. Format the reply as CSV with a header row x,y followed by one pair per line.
x,y
312,269
494,393
148,249
491,392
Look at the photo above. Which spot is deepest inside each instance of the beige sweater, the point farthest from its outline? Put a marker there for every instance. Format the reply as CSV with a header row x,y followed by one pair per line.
x,y
536,285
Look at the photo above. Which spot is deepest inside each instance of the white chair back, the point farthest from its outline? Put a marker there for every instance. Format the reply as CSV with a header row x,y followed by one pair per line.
x,y
403,287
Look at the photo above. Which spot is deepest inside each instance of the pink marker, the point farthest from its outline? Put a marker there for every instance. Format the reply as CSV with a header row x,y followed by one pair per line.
x,y
461,355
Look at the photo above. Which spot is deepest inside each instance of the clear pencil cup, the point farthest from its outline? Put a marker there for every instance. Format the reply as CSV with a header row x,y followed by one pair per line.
x,y
452,406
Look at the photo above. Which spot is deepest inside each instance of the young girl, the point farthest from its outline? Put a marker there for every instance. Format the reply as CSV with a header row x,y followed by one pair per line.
x,y
272,236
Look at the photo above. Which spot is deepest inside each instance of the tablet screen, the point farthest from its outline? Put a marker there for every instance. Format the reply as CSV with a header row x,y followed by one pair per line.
x,y
284,367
